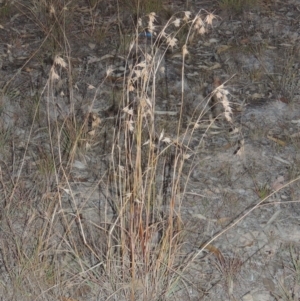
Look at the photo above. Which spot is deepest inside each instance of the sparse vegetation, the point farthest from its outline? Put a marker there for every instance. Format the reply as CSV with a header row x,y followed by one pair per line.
x,y
237,6
94,192
287,288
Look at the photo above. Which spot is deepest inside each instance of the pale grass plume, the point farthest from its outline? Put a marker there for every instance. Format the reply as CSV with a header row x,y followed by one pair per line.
x,y
167,140
163,34
147,142
152,19
52,10
202,30
199,25
151,27
131,87
90,133
53,74
221,94
185,52
148,57
146,105
109,70
241,150
138,74
176,22
131,46
91,87
128,111
172,42
186,156
161,135
142,69
60,61
96,121
130,125
148,101
140,22
121,168
209,18
187,16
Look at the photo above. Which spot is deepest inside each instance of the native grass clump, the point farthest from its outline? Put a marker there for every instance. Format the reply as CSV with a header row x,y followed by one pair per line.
x,y
129,246
145,237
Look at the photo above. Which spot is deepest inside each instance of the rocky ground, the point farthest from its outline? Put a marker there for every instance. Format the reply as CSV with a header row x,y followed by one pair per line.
x,y
241,182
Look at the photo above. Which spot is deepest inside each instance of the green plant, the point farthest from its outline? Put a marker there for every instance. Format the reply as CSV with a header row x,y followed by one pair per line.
x,y
263,191
6,10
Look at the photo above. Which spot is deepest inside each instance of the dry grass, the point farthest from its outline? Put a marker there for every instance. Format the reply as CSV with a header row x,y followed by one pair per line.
x,y
58,243
131,248
288,285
